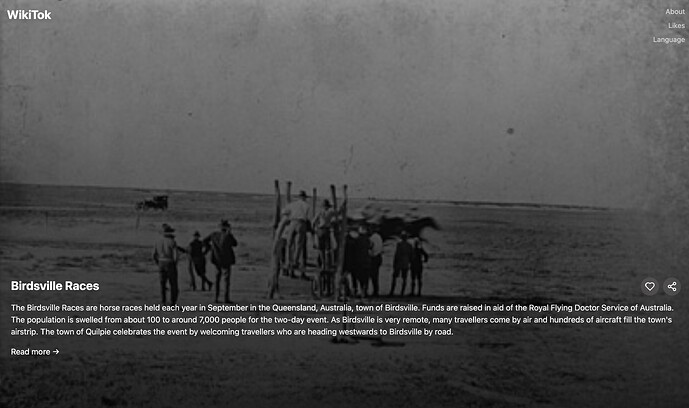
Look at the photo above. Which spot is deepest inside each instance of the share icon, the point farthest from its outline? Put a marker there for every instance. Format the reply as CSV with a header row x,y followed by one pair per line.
x,y
671,286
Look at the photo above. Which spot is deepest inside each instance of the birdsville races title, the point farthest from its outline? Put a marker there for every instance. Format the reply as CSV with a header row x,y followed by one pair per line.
x,y
53,285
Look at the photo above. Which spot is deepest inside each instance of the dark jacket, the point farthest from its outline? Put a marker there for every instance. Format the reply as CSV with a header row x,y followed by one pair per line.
x,y
356,253
221,243
363,244
403,255
350,254
419,256
197,249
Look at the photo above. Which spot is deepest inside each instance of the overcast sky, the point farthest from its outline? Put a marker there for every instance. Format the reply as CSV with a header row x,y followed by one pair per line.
x,y
515,101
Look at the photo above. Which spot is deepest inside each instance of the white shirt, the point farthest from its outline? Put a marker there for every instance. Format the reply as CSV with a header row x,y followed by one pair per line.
x,y
376,244
324,218
298,210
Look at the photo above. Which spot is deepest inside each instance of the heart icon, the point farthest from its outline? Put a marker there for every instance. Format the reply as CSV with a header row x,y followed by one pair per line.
x,y
650,286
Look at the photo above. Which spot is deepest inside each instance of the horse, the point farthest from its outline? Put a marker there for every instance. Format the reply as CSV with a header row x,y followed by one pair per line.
x,y
391,227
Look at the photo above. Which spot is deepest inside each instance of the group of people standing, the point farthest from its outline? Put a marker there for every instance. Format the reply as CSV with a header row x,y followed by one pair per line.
x,y
364,256
363,252
289,249
220,244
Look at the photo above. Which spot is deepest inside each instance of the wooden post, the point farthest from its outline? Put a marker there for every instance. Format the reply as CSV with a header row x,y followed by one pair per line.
x,y
335,226
277,215
313,233
341,242
333,195
305,248
289,192
314,202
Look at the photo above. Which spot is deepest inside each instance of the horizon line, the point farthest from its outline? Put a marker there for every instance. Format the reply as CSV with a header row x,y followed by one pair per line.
x,y
370,198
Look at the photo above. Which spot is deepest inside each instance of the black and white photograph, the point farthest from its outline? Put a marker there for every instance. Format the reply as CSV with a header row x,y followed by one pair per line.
x,y
344,203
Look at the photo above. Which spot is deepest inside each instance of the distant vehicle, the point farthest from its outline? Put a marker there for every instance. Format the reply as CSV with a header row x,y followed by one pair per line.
x,y
158,202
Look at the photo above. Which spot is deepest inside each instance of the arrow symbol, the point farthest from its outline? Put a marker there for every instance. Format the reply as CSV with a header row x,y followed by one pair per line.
x,y
56,351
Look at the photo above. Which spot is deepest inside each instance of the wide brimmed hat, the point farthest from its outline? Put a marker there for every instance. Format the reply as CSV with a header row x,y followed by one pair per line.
x,y
197,234
303,194
167,229
326,203
224,224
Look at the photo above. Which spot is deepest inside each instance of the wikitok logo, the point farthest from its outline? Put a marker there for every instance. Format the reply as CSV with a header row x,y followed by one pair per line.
x,y
29,15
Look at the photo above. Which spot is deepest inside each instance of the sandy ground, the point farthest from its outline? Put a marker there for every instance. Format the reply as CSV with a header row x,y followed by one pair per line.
x,y
481,255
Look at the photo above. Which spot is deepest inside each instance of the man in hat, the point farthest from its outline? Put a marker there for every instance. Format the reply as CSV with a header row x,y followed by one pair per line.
x,y
165,255
419,257
401,262
197,262
322,225
376,254
222,256
362,268
298,212
345,285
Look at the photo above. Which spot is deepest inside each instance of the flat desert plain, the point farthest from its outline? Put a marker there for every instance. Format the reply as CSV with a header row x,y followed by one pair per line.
x,y
481,255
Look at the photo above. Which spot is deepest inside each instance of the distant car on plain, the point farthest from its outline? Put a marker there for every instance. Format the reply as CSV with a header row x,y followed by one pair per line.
x,y
159,202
